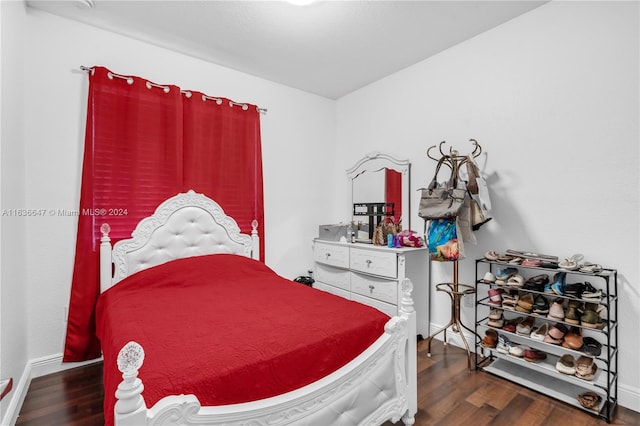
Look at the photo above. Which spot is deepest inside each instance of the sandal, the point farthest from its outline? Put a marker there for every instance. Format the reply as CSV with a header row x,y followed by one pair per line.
x,y
591,346
590,268
491,255
571,263
590,400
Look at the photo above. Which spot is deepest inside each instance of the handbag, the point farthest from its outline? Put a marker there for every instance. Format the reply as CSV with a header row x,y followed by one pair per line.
x,y
442,201
480,202
443,242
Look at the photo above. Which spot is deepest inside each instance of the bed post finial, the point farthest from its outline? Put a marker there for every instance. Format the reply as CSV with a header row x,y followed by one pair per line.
x,y
130,405
105,257
255,251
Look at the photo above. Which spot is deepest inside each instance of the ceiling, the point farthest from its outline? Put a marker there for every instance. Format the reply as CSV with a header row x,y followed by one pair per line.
x,y
329,48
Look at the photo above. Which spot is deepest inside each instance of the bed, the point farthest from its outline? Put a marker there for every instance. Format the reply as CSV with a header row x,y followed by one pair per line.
x,y
196,330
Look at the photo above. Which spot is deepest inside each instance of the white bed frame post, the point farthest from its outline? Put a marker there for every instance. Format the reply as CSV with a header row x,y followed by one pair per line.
x,y
130,409
255,239
105,258
408,312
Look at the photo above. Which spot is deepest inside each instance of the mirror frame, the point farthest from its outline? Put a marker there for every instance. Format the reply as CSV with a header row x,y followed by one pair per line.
x,y
375,161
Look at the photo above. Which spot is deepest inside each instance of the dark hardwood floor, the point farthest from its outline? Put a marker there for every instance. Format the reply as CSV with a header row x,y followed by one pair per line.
x,y
448,394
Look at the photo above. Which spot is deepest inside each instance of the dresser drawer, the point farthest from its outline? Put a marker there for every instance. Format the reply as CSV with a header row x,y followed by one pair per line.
x,y
377,288
374,262
331,255
332,276
387,308
331,289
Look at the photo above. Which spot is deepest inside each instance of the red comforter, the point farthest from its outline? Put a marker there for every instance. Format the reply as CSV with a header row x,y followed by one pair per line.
x,y
227,329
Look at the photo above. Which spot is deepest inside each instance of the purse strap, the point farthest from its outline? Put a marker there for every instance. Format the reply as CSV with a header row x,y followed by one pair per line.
x,y
452,179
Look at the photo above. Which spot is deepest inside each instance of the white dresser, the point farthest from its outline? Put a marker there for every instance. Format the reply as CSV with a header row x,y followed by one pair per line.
x,y
371,275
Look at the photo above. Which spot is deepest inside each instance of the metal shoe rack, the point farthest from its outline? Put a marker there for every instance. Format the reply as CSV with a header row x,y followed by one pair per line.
x,y
543,376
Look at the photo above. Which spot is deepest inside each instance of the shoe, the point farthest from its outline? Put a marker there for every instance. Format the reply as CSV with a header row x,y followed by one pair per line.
x,y
524,328
531,262
574,312
510,299
590,292
591,319
591,346
489,278
503,274
525,303
491,255
574,290
495,296
556,311
540,332
515,281
590,400
503,344
516,350
541,305
534,355
590,268
556,334
573,339
490,339
496,319
495,314
571,263
566,365
585,368
512,324
558,283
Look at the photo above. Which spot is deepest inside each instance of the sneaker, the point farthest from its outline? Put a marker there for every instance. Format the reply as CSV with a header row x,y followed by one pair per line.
x,y
504,344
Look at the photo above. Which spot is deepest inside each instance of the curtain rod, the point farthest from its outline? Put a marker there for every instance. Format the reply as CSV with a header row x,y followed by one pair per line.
x,y
187,93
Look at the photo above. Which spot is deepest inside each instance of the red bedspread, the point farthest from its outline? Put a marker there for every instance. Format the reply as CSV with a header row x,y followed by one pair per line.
x,y
227,329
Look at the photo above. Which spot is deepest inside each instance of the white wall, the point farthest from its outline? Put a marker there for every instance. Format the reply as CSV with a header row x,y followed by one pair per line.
x,y
553,97
13,300
42,151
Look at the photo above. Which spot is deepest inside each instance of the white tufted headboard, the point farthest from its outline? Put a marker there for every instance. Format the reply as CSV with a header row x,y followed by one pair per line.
x,y
188,224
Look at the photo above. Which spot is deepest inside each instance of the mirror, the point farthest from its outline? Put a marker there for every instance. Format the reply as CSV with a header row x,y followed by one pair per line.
x,y
379,188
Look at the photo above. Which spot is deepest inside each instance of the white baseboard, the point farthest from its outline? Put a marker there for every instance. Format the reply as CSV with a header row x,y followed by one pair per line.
x,y
628,396
18,394
35,368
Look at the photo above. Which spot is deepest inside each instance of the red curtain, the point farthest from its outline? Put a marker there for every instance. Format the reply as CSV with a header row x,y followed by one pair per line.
x,y
393,192
143,144
221,158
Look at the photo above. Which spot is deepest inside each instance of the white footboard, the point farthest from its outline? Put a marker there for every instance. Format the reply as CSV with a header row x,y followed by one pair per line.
x,y
379,385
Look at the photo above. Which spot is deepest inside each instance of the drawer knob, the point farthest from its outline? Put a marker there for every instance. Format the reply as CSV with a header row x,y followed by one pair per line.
x,y
368,263
371,288
328,255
